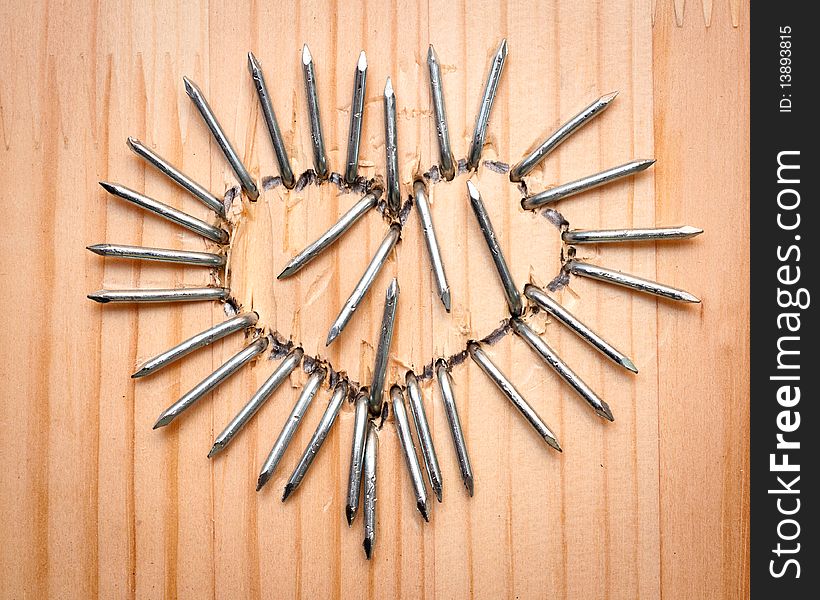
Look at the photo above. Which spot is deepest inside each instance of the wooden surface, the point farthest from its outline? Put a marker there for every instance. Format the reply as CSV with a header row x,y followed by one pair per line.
x,y
95,503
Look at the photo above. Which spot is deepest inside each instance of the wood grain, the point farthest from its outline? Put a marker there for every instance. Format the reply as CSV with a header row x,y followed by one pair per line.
x,y
96,504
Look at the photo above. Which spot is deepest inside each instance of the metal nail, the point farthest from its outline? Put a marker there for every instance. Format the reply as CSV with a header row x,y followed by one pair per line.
x,y
364,284
550,357
269,115
322,430
291,425
608,236
426,219
182,257
331,235
228,150
391,150
191,294
585,183
409,450
631,281
264,392
428,450
513,395
177,176
445,384
562,133
215,234
200,340
442,131
356,118
510,290
371,457
540,298
487,99
319,156
391,300
207,385
354,481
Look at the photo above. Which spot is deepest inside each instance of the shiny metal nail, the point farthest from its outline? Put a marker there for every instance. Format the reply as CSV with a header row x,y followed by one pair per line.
x,y
291,425
446,162
549,356
562,133
354,481
630,281
269,115
198,98
265,391
192,294
371,457
316,137
207,385
200,340
215,234
513,395
322,430
487,99
391,150
356,118
364,284
541,299
177,176
391,301
428,449
445,384
182,257
609,236
510,289
331,235
430,240
409,450
585,183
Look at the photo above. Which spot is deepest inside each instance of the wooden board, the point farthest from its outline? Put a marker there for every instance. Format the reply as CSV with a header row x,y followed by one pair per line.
x,y
96,504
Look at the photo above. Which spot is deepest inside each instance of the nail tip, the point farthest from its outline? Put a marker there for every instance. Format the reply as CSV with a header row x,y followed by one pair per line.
x,y
163,421
445,299
350,514
288,491
368,548
423,510
626,362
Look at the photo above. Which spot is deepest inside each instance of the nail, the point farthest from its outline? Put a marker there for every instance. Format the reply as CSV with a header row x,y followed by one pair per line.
x,y
512,394
561,134
183,257
371,456
445,384
487,99
221,139
549,356
291,425
426,218
605,236
391,300
356,118
319,157
585,183
331,235
322,430
192,294
354,481
428,450
200,340
540,298
391,150
215,234
510,289
376,264
177,176
631,281
272,383
207,385
409,450
258,77
442,131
